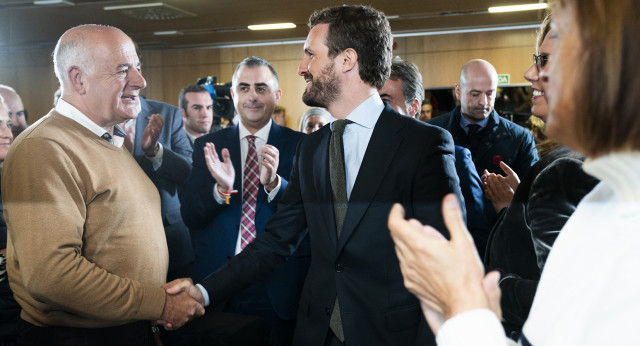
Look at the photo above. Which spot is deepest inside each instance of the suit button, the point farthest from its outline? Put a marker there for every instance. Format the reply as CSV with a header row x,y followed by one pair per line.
x,y
327,311
339,268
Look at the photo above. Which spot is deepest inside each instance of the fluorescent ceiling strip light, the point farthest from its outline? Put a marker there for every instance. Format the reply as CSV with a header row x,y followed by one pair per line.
x,y
167,33
52,2
464,31
408,34
515,8
128,7
272,26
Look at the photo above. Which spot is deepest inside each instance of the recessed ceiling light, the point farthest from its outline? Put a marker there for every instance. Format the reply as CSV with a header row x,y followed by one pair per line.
x,y
515,8
272,26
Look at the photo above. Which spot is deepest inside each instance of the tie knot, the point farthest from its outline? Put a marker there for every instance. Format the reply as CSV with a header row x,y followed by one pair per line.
x,y
339,125
107,137
251,139
473,128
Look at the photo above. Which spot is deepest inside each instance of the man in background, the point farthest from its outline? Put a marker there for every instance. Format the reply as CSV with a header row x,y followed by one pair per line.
x,y
17,112
258,156
158,142
474,124
280,116
196,105
404,92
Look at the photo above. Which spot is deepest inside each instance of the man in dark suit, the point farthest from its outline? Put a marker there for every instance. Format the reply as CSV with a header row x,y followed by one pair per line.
x,y
158,142
354,291
475,124
221,224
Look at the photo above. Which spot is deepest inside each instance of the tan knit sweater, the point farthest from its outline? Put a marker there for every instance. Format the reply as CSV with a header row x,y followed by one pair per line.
x,y
86,245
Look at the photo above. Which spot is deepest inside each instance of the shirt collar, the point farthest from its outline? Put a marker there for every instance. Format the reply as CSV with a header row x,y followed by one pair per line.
x,y
69,111
262,134
191,137
464,122
367,113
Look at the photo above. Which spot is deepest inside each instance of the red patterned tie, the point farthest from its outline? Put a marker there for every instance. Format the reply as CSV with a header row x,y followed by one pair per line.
x,y
249,194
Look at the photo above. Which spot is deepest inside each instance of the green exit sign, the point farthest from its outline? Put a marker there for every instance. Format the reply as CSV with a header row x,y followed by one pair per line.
x,y
504,78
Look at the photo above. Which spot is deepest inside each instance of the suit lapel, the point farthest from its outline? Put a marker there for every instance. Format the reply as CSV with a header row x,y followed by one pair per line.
x,y
377,159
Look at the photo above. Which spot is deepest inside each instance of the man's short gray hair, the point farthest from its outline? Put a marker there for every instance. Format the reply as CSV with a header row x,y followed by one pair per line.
x,y
254,61
72,51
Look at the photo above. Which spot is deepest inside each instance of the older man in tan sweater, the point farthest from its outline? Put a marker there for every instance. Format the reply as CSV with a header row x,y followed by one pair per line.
x,y
87,254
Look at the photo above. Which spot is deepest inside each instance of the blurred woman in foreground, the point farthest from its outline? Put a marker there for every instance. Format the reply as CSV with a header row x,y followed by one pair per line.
x,y
588,291
549,193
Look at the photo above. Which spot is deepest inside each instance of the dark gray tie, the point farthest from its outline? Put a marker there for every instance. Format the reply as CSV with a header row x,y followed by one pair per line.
x,y
339,191
473,133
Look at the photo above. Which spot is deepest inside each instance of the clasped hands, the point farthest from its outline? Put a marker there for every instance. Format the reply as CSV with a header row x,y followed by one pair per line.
x,y
222,170
184,302
500,189
447,276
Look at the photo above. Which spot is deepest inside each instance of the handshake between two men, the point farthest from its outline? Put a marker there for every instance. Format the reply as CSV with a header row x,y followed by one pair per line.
x,y
184,302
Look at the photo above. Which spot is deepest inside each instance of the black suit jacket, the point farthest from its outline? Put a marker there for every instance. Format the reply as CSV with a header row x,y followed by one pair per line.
x,y
406,161
214,227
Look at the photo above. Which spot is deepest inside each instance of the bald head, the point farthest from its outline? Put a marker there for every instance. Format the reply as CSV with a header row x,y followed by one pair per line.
x,y
477,68
99,71
477,89
15,108
77,47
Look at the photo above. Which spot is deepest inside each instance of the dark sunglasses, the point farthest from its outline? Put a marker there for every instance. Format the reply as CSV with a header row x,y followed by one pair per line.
x,y
540,61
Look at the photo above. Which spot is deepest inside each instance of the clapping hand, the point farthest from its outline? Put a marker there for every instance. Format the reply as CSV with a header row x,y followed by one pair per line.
x,y
447,276
221,169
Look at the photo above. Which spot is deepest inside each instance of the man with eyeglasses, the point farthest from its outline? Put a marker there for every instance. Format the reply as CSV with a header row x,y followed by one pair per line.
x,y
17,113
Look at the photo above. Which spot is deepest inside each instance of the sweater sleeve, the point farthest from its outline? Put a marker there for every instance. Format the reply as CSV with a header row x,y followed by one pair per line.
x,y
46,209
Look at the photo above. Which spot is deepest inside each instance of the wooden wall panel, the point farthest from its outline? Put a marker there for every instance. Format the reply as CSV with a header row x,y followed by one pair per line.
x,y
439,58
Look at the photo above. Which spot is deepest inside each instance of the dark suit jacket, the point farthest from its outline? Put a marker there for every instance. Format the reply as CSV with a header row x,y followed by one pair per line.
x,y
169,179
522,238
500,140
407,162
214,227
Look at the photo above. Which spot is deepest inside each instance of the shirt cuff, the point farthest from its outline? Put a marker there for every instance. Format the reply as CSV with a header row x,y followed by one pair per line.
x,y
156,161
475,327
205,294
271,195
217,196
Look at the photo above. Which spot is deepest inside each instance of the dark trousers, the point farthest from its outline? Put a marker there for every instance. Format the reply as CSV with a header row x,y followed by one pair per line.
x,y
254,301
138,333
222,329
332,339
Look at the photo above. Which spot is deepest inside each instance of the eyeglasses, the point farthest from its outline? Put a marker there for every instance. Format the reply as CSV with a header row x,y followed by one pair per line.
x,y
540,61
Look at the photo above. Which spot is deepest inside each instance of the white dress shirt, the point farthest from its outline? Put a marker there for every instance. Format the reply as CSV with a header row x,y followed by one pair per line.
x,y
71,112
356,136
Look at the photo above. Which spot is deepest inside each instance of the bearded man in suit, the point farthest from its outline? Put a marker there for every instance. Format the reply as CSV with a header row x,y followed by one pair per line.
x,y
345,178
